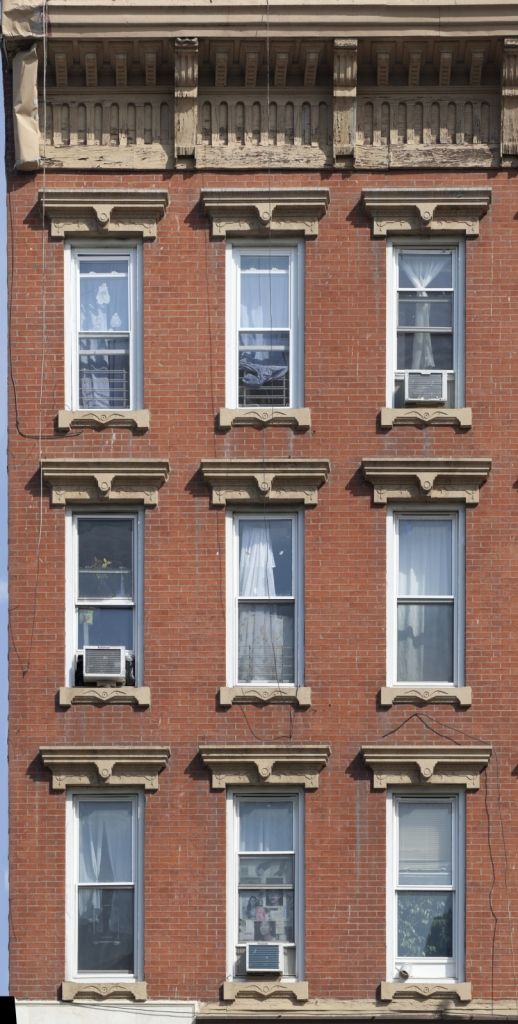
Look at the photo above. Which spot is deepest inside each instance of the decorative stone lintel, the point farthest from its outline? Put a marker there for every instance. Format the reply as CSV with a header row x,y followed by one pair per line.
x,y
99,419
140,696
410,479
300,419
456,991
422,416
295,991
263,211
266,764
133,991
92,211
265,480
300,695
109,766
104,480
426,210
433,765
460,695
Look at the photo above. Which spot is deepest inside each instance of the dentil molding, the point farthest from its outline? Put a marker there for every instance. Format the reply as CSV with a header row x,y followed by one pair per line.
x,y
109,766
265,480
426,210
433,765
92,211
411,479
266,764
104,480
263,211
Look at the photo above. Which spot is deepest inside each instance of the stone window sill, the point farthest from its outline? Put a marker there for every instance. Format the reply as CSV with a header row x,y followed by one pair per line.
x,y
299,419
100,695
426,990
134,991
300,695
425,695
297,991
424,415
98,419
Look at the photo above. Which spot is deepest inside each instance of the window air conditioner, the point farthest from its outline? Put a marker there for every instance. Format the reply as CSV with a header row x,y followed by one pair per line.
x,y
263,957
104,664
426,386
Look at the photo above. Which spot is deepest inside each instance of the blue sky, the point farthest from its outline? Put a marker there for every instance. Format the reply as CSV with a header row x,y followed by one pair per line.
x,y
3,565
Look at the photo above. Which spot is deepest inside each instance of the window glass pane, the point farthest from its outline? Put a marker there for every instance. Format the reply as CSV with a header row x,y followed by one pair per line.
x,y
425,270
104,373
105,558
104,296
425,926
425,557
105,930
265,291
266,825
266,650
101,627
265,557
433,309
264,870
425,643
420,350
271,342
105,841
266,916
425,843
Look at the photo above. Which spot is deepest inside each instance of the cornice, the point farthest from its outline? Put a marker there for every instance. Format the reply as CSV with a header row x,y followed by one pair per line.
x,y
265,764
263,211
106,481
108,766
265,480
432,765
426,210
411,479
92,211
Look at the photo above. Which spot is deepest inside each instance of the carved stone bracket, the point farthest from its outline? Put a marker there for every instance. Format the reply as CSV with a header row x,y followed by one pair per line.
x,y
299,419
104,481
140,696
345,66
426,210
92,211
99,419
299,695
460,992
409,479
460,695
263,211
186,96
109,766
509,134
265,764
422,416
133,991
265,480
434,765
295,991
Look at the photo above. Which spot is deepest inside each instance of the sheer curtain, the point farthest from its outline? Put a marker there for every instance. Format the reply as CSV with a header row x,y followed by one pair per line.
x,y
422,271
265,627
264,305
425,629
265,827
103,374
105,850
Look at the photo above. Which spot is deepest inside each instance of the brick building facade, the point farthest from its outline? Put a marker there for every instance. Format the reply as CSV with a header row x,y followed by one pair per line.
x,y
262,442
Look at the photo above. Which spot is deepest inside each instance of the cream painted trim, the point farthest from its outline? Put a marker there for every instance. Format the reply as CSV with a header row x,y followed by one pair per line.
x,y
130,765
354,1010
265,480
425,695
267,764
97,419
296,991
431,990
265,417
426,210
300,695
107,481
434,765
263,211
412,479
101,212
100,695
135,991
424,415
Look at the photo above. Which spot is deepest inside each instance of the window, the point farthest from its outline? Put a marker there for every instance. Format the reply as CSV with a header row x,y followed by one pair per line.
x,y
106,600
425,888
265,326
265,884
264,582
425,312
425,600
104,921
104,351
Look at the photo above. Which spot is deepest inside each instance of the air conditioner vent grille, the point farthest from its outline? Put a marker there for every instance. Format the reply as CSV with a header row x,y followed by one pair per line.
x,y
427,386
263,957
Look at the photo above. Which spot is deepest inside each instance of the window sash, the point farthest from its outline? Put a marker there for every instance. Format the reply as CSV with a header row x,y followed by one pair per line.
x,y
107,602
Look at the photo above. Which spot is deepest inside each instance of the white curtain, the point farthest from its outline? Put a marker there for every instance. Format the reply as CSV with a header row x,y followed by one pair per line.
x,y
264,826
422,271
425,629
425,843
264,305
265,645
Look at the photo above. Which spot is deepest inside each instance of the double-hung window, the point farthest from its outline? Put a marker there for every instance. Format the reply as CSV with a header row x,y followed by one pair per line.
x,y
264,583
264,877
425,598
425,887
104,349
104,871
265,326
425,310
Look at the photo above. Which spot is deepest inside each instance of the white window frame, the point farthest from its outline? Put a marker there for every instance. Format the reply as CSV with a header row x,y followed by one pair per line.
x,y
71,570
72,854
132,251
457,248
423,969
457,516
295,252
233,519
233,798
